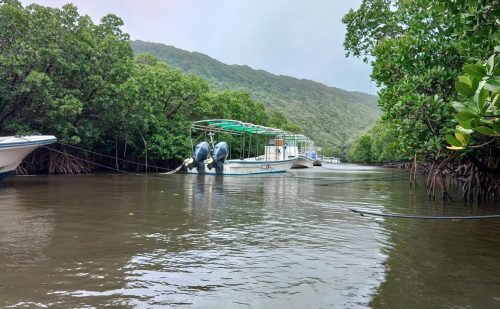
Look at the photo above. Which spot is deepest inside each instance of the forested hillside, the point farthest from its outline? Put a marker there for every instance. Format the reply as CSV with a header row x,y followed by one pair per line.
x,y
64,75
330,115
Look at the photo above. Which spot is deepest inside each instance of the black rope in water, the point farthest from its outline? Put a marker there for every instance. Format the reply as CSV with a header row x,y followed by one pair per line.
x,y
357,211
100,165
401,216
172,171
114,158
389,178
166,179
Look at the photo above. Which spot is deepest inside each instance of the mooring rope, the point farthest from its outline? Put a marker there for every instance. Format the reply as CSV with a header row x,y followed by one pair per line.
x,y
357,211
178,168
167,179
401,216
98,164
123,160
388,178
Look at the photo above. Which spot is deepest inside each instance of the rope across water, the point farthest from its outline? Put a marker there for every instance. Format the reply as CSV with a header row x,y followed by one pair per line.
x,y
401,216
357,211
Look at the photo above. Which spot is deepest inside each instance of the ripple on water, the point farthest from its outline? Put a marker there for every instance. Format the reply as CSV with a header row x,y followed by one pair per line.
x,y
258,242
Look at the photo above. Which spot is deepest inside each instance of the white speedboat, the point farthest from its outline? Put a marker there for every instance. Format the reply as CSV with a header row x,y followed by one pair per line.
x,y
247,166
13,149
302,148
303,162
213,159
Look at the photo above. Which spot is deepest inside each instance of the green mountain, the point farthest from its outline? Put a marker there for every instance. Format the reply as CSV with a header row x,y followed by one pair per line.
x,y
329,115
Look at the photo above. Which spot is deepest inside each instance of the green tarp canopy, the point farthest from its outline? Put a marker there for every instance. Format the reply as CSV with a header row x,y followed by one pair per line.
x,y
236,127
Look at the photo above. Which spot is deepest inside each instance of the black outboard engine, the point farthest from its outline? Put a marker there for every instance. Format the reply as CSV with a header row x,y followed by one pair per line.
x,y
200,155
220,155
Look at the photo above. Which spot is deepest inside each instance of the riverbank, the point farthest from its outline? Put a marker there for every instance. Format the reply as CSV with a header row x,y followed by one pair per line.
x,y
479,180
477,184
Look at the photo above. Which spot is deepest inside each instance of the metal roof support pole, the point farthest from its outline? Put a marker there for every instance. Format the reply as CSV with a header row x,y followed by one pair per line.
x,y
191,139
242,147
249,145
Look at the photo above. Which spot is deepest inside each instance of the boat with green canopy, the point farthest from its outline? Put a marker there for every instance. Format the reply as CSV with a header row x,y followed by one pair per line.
x,y
238,148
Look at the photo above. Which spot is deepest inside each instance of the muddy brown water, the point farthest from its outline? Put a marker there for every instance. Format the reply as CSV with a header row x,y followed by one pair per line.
x,y
275,241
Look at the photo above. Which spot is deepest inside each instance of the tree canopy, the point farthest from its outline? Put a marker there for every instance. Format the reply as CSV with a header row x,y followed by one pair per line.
x,y
64,75
417,50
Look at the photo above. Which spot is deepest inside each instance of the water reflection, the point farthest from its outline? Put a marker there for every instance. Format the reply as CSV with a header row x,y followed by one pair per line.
x,y
229,242
440,264
24,232
266,243
202,192
206,242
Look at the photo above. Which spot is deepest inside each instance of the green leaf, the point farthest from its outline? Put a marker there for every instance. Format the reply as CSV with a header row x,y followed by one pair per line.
x,y
490,65
464,116
452,140
440,7
75,139
462,138
476,70
464,130
486,131
465,119
480,96
492,85
494,102
464,86
496,35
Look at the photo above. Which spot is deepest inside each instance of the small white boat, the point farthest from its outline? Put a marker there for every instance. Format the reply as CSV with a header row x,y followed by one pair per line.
x,y
302,148
332,160
274,160
303,162
247,166
13,149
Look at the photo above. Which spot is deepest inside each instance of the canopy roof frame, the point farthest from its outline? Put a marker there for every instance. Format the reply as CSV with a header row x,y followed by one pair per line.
x,y
237,127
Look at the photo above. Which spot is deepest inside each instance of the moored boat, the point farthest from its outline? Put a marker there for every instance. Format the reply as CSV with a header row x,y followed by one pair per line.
x,y
301,147
275,158
13,149
303,162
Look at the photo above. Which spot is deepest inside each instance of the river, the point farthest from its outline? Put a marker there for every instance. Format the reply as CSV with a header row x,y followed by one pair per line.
x,y
279,241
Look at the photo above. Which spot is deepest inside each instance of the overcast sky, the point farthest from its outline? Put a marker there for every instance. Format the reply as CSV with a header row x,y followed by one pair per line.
x,y
299,38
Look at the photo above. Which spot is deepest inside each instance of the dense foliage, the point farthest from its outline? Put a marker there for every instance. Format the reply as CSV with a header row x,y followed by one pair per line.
x,y
418,50
377,145
478,112
62,74
330,116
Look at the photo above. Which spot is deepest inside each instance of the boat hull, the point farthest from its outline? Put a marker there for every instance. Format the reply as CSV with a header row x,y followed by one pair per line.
x,y
249,166
303,162
4,175
14,149
317,163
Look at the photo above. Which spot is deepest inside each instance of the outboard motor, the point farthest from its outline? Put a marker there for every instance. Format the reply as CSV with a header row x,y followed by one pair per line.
x,y
200,155
220,155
